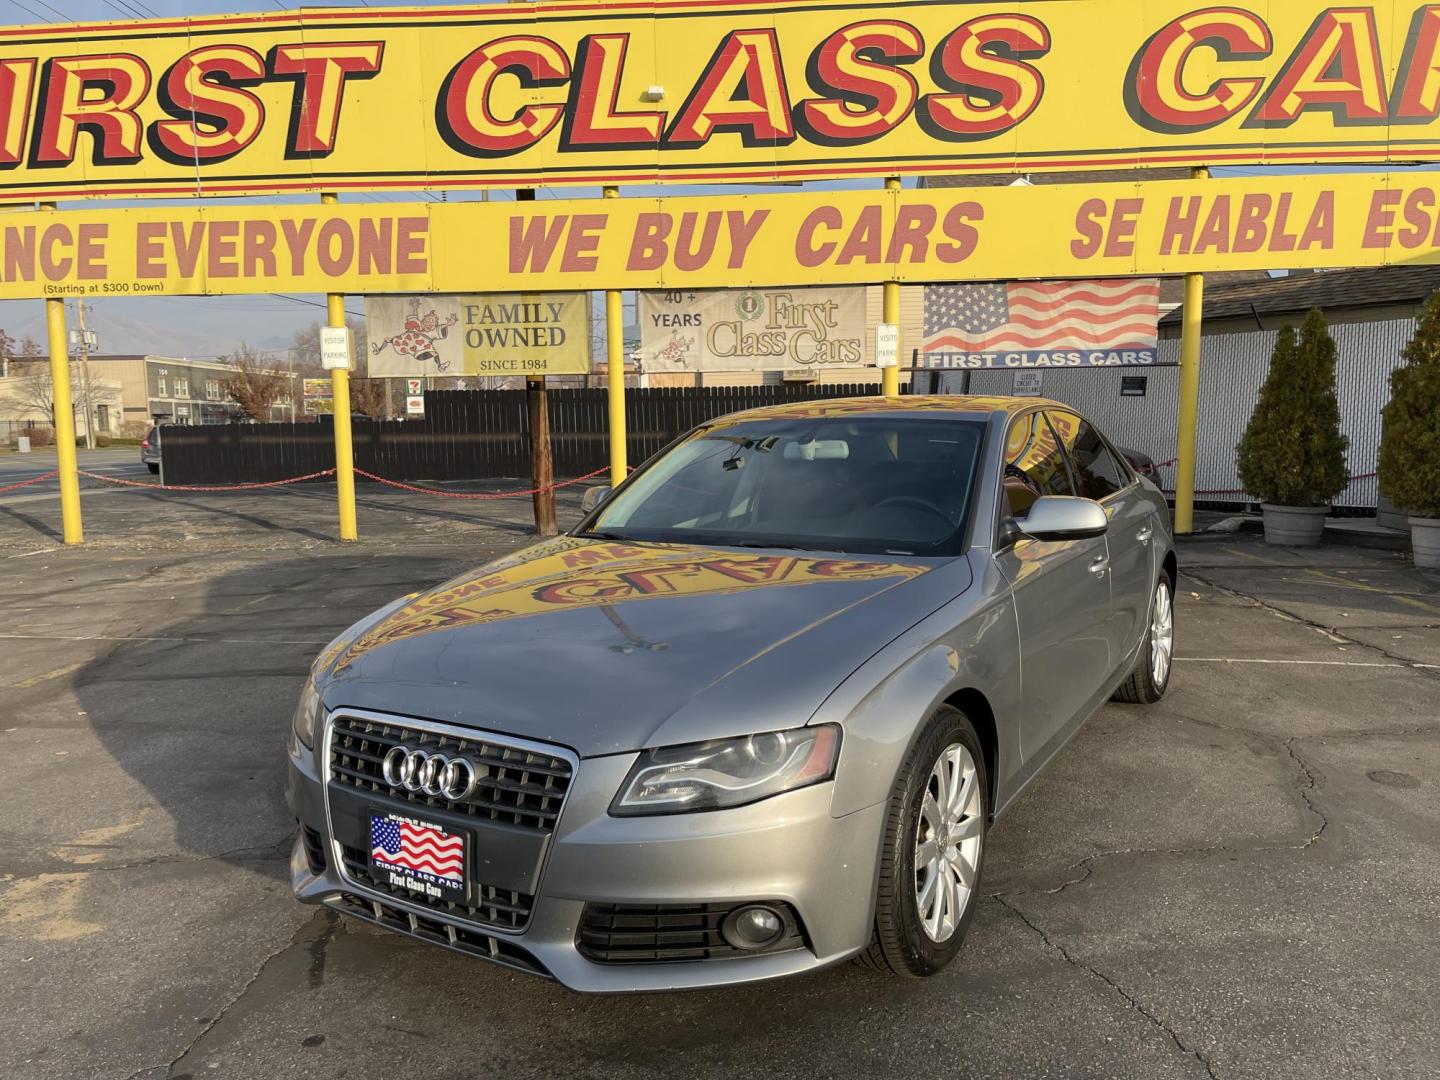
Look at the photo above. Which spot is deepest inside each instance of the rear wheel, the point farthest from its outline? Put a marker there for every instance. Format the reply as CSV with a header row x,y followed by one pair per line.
x,y
934,850
1147,683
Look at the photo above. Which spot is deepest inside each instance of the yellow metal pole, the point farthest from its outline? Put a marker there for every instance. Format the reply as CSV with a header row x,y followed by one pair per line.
x,y
1188,419
615,361
64,406
890,376
344,448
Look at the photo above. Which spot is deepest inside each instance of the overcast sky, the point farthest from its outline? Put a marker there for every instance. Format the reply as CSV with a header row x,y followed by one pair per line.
x,y
203,326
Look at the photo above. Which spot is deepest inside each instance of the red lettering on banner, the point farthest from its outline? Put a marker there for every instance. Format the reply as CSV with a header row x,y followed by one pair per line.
x,y
807,254
90,252
334,247
1337,67
1156,93
533,242
216,117
259,244
374,246
187,244
95,94
1087,226
1381,218
20,253
862,69
297,238
320,72
865,239
1320,229
53,265
17,79
222,253
582,243
150,249
593,119
961,226
649,247
463,114
1250,224
743,231
741,89
1420,218
911,240
412,236
692,255
991,87
1123,223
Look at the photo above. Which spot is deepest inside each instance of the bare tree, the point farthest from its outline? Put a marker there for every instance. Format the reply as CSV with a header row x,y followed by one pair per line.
x,y
31,390
253,384
367,395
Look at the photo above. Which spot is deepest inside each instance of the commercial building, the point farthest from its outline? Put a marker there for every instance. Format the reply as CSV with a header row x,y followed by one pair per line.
x,y
1372,314
179,390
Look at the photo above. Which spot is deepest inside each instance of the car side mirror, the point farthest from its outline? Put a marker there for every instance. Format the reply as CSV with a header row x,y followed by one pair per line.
x,y
593,497
1063,517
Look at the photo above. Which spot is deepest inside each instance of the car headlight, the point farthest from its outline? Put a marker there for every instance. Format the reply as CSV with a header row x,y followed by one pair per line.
x,y
307,714
723,773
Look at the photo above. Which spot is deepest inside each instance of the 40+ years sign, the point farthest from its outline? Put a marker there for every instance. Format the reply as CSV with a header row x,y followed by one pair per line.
x,y
837,238
584,92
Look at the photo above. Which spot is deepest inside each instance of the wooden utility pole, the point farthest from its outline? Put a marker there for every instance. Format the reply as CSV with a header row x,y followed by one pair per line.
x,y
542,463
84,347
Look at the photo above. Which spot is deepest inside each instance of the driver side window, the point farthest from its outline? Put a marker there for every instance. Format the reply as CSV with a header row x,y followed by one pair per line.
x,y
1034,464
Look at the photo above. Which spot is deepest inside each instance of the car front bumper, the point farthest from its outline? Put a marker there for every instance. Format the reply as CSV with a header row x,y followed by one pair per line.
x,y
787,849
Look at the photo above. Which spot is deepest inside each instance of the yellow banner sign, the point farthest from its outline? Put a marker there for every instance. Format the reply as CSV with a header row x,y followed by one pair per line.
x,y
631,91
832,238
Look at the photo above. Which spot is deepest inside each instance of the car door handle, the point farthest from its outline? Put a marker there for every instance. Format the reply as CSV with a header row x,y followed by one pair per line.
x,y
1100,566
1145,534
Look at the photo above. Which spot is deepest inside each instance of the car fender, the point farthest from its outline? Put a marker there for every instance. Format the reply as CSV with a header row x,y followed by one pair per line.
x,y
971,643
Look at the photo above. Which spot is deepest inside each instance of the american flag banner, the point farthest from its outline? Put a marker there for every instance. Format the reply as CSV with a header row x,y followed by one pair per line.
x,y
430,854
1042,324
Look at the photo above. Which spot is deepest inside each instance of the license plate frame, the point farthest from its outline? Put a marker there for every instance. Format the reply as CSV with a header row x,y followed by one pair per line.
x,y
428,871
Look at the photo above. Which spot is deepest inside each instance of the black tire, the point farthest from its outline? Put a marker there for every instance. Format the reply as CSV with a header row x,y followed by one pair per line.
x,y
1141,686
900,945
153,466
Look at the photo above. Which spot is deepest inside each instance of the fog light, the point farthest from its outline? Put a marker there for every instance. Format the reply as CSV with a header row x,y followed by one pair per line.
x,y
753,927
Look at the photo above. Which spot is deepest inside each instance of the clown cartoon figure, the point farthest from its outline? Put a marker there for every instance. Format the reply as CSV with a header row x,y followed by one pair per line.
x,y
419,336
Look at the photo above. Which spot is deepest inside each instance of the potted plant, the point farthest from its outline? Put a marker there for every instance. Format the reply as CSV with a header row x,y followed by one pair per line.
x,y
1293,455
1410,451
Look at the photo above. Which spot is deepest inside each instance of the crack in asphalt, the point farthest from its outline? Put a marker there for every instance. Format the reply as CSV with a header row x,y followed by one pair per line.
x,y
1429,670
1307,791
167,1069
1129,998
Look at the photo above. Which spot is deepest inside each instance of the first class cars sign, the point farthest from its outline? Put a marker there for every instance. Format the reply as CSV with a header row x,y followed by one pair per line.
x,y
570,93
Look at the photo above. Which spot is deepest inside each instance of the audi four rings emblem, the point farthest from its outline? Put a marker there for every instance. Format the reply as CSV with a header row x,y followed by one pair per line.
x,y
430,774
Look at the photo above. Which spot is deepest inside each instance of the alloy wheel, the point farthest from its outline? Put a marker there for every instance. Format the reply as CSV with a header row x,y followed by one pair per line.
x,y
948,834
1162,635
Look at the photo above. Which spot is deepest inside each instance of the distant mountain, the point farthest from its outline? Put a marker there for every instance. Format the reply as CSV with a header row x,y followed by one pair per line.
x,y
194,327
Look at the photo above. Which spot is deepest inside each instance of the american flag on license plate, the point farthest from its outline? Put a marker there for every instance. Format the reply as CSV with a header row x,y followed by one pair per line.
x,y
418,848
1042,316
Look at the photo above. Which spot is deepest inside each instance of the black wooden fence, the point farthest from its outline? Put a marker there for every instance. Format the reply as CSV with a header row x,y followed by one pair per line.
x,y
466,435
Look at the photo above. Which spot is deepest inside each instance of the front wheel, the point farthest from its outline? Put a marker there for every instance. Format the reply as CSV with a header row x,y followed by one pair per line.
x,y
934,849
1149,680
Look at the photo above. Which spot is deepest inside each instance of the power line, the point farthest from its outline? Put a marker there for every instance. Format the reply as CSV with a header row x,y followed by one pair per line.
x,y
31,11
52,7
313,303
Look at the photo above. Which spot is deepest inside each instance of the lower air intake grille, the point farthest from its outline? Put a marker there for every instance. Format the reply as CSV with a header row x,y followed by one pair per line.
x,y
668,933
500,908
438,933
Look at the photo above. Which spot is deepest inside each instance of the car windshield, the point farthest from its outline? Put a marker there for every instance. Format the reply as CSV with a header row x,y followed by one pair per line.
x,y
864,485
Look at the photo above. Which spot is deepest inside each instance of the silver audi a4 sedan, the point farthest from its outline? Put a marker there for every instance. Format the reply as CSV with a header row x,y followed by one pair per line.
x,y
756,714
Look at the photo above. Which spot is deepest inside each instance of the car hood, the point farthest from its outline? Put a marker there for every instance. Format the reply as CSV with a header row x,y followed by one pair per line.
x,y
610,647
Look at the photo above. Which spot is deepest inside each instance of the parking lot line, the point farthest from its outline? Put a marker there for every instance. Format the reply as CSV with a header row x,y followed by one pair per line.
x,y
1315,663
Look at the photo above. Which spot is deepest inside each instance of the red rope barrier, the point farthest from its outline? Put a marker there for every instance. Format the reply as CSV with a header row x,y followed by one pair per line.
x,y
480,496
34,480
204,487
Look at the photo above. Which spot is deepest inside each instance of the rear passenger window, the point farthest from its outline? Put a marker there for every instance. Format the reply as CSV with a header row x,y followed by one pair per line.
x,y
1097,471
1034,464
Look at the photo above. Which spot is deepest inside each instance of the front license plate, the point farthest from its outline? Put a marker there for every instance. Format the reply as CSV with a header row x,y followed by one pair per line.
x,y
417,856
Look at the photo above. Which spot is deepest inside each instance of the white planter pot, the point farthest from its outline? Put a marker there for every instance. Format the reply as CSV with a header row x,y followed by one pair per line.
x,y
1294,526
1425,539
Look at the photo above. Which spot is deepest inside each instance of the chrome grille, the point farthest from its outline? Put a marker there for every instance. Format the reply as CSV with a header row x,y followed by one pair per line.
x,y
516,786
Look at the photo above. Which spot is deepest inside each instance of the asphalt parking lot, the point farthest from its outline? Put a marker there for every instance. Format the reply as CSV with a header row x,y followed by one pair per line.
x,y
1240,882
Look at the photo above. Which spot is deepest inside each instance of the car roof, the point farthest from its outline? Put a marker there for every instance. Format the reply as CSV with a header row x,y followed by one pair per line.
x,y
969,405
